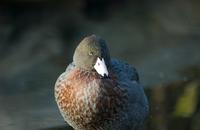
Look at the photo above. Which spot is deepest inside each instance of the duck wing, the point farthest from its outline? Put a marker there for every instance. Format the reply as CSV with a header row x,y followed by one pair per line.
x,y
124,70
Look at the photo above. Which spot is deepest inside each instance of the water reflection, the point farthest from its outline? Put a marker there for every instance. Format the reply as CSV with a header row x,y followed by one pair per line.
x,y
59,128
176,105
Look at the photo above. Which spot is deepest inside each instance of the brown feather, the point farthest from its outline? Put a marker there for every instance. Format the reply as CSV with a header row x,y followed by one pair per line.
x,y
87,101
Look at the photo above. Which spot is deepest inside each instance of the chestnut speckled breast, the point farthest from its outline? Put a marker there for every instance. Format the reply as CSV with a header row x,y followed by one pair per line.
x,y
99,93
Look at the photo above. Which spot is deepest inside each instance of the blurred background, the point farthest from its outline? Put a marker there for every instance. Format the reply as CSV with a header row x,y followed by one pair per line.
x,y
160,38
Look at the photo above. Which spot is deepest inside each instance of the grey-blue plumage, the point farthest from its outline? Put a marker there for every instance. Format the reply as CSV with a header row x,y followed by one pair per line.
x,y
138,108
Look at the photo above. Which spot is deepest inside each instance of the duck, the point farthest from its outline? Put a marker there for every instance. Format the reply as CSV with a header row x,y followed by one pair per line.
x,y
97,92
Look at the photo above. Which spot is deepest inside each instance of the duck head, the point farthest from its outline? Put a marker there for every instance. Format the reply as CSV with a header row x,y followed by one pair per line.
x,y
92,54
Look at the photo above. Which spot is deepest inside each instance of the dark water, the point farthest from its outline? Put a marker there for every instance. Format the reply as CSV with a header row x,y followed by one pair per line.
x,y
161,39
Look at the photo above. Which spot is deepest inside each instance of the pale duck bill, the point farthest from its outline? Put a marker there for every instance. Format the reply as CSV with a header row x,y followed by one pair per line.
x,y
101,68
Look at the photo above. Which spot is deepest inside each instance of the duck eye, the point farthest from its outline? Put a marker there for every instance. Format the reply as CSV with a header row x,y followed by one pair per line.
x,y
91,53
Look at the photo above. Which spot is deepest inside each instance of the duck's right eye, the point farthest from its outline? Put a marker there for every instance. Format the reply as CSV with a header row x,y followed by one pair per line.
x,y
90,53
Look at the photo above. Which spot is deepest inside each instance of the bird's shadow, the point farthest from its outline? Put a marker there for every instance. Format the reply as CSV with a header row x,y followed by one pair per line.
x,y
58,128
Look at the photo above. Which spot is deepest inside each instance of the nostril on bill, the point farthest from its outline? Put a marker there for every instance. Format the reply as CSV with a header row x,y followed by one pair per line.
x,y
104,76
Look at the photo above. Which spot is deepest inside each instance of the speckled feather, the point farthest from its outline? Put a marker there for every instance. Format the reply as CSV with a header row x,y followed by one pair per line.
x,y
88,102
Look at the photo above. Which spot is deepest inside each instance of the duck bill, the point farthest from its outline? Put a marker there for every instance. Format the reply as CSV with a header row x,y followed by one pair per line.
x,y
100,67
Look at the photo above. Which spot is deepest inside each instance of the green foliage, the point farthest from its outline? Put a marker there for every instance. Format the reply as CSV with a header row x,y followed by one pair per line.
x,y
187,103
